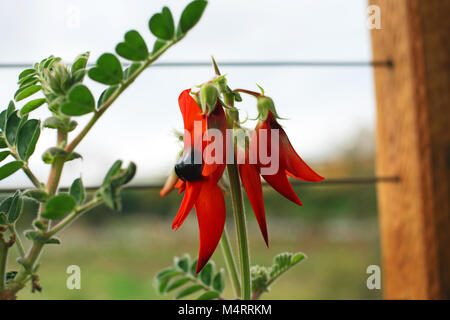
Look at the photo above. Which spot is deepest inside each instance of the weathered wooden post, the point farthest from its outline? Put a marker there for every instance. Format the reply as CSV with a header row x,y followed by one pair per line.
x,y
413,142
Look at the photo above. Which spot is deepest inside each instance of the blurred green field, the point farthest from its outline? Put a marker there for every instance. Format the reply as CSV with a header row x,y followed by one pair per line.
x,y
119,253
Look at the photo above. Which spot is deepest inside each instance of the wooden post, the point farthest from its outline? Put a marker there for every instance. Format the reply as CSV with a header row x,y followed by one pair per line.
x,y
413,142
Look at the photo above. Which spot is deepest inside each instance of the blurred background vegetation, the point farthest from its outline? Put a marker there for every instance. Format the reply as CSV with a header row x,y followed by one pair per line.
x,y
119,253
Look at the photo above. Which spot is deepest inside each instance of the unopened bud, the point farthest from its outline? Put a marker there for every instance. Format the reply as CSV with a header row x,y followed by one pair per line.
x,y
208,97
265,104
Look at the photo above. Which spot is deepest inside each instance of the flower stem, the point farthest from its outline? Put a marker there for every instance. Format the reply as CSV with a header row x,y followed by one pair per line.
x,y
238,202
229,260
3,261
241,228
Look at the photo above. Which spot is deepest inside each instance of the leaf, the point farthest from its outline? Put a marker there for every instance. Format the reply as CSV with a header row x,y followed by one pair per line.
x,y
177,283
15,208
105,95
183,263
193,268
9,168
188,291
191,15
133,48
39,195
32,105
27,72
115,168
54,123
3,155
51,153
165,272
297,258
209,295
80,63
3,118
25,92
162,25
77,191
206,273
108,70
59,206
158,45
53,241
80,101
12,126
131,69
27,138
27,81
218,282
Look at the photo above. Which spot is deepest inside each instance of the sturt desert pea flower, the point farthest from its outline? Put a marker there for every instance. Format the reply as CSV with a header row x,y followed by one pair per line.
x,y
199,180
289,164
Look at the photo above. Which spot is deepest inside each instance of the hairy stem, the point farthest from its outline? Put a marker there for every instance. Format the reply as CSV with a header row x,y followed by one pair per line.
x,y
73,216
31,258
238,203
229,260
19,244
241,228
3,261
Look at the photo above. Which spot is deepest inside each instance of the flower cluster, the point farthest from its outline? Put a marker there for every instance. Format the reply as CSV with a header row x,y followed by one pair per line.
x,y
208,148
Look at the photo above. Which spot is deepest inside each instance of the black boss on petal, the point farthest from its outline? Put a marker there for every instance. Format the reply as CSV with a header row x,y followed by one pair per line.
x,y
186,168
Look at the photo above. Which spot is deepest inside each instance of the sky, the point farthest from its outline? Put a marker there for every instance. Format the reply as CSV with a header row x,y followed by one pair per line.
x,y
324,106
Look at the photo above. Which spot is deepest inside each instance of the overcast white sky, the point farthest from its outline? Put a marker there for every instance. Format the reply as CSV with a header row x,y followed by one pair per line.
x,y
325,105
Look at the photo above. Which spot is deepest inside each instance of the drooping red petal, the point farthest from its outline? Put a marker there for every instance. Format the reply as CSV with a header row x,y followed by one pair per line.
x,y
169,185
190,196
280,182
181,185
291,161
191,114
216,120
253,187
210,209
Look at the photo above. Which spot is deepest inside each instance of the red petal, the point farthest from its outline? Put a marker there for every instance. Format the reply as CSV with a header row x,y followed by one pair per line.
x,y
216,120
253,187
191,112
210,209
292,162
191,195
280,182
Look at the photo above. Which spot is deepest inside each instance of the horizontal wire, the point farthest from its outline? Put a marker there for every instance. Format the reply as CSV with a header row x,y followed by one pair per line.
x,y
387,64
295,183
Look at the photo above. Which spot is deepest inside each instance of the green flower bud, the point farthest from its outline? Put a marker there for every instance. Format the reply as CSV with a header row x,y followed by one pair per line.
x,y
208,97
264,105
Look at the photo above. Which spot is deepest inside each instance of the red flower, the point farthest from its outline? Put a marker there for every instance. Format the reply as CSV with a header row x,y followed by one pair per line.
x,y
199,180
290,164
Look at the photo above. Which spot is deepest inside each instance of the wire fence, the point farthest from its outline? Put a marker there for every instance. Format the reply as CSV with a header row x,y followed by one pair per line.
x,y
183,64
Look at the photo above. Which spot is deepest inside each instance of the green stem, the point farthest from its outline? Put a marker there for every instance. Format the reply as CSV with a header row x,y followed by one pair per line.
x,y
241,228
19,244
229,260
57,167
3,261
238,201
73,216
34,180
